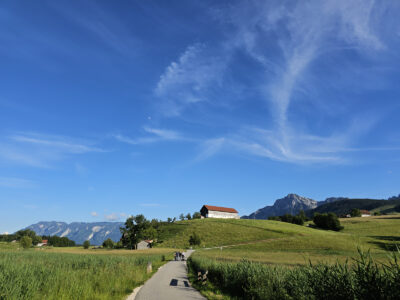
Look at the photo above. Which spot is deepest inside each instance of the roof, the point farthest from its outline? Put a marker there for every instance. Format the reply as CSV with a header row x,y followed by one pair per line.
x,y
44,241
364,212
223,209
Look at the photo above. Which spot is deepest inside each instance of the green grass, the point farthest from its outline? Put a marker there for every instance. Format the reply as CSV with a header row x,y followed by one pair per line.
x,y
35,274
364,279
273,242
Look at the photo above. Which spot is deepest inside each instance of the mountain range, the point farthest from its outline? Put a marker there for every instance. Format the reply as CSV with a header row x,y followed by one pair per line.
x,y
291,204
79,232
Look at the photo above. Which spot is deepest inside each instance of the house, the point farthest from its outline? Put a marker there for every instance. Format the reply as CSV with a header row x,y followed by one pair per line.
x,y
43,243
365,213
209,211
145,244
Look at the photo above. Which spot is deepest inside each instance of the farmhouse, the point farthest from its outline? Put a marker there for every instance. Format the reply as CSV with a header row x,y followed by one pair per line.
x,y
208,211
43,243
365,213
146,244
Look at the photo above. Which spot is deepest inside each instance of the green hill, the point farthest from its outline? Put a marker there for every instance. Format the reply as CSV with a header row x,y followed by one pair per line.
x,y
282,243
344,207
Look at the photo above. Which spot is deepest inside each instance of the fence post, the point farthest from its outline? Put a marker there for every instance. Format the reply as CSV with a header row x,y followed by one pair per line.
x,y
149,267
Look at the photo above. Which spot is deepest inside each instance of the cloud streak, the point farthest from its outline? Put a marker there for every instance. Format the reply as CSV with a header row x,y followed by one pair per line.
x,y
40,150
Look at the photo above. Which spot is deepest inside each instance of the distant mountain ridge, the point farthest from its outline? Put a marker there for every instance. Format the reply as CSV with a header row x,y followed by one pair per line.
x,y
79,232
291,204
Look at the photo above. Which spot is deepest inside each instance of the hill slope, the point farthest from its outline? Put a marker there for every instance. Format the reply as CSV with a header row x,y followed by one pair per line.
x,y
345,206
79,232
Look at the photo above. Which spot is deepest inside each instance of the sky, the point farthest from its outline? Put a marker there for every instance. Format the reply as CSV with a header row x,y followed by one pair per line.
x,y
117,108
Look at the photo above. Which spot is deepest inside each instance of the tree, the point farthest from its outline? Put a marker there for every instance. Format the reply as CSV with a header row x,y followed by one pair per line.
x,y
327,221
86,244
108,243
355,212
30,233
150,233
188,216
134,230
181,217
194,240
25,242
169,220
196,215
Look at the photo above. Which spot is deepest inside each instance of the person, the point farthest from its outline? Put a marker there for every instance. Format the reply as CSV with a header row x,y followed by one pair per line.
x,y
176,256
183,256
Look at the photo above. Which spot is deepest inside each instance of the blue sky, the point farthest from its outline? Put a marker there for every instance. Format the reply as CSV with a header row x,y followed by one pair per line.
x,y
112,108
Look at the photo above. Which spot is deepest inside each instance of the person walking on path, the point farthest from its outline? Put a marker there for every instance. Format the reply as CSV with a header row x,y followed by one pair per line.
x,y
169,283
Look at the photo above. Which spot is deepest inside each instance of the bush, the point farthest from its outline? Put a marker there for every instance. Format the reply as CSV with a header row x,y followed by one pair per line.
x,y
355,212
86,244
194,240
25,242
328,221
108,243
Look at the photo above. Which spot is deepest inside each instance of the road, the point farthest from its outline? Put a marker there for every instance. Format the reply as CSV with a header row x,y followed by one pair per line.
x,y
169,283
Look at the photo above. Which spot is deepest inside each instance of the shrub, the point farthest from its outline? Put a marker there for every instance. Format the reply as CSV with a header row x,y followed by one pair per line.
x,y
194,240
108,243
328,221
86,244
25,242
355,212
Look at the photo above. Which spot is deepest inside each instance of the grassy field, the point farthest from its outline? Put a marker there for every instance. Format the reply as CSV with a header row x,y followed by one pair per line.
x,y
279,267
274,242
73,273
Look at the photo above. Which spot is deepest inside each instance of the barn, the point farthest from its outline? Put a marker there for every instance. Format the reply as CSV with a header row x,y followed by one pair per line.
x,y
209,211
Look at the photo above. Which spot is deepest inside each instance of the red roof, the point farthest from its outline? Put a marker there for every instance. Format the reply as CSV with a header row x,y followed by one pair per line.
x,y
44,241
364,212
223,209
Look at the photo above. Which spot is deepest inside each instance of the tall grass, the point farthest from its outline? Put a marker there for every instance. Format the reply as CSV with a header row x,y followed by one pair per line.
x,y
364,279
35,275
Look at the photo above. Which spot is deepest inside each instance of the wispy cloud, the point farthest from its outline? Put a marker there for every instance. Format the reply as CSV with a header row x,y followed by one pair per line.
x,y
153,135
188,80
94,214
40,150
285,40
115,216
12,182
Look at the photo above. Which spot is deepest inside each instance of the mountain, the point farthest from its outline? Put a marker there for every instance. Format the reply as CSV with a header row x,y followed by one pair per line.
x,y
291,204
79,232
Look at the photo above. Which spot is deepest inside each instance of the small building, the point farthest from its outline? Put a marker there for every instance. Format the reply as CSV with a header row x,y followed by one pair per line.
x,y
145,244
43,243
365,213
209,211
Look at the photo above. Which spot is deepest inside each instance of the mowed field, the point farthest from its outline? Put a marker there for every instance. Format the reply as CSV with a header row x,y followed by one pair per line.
x,y
274,242
74,273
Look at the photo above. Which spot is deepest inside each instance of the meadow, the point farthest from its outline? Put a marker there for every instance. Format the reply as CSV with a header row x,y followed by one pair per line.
x,y
74,273
306,263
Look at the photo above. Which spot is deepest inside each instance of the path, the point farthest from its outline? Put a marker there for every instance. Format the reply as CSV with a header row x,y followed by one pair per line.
x,y
169,283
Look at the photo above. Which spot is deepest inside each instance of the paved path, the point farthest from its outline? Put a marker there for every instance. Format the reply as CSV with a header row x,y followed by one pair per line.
x,y
169,283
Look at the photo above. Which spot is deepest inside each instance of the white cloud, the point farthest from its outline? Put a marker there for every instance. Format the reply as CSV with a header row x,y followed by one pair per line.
x,y
94,214
189,80
41,150
301,33
154,135
12,182
115,216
